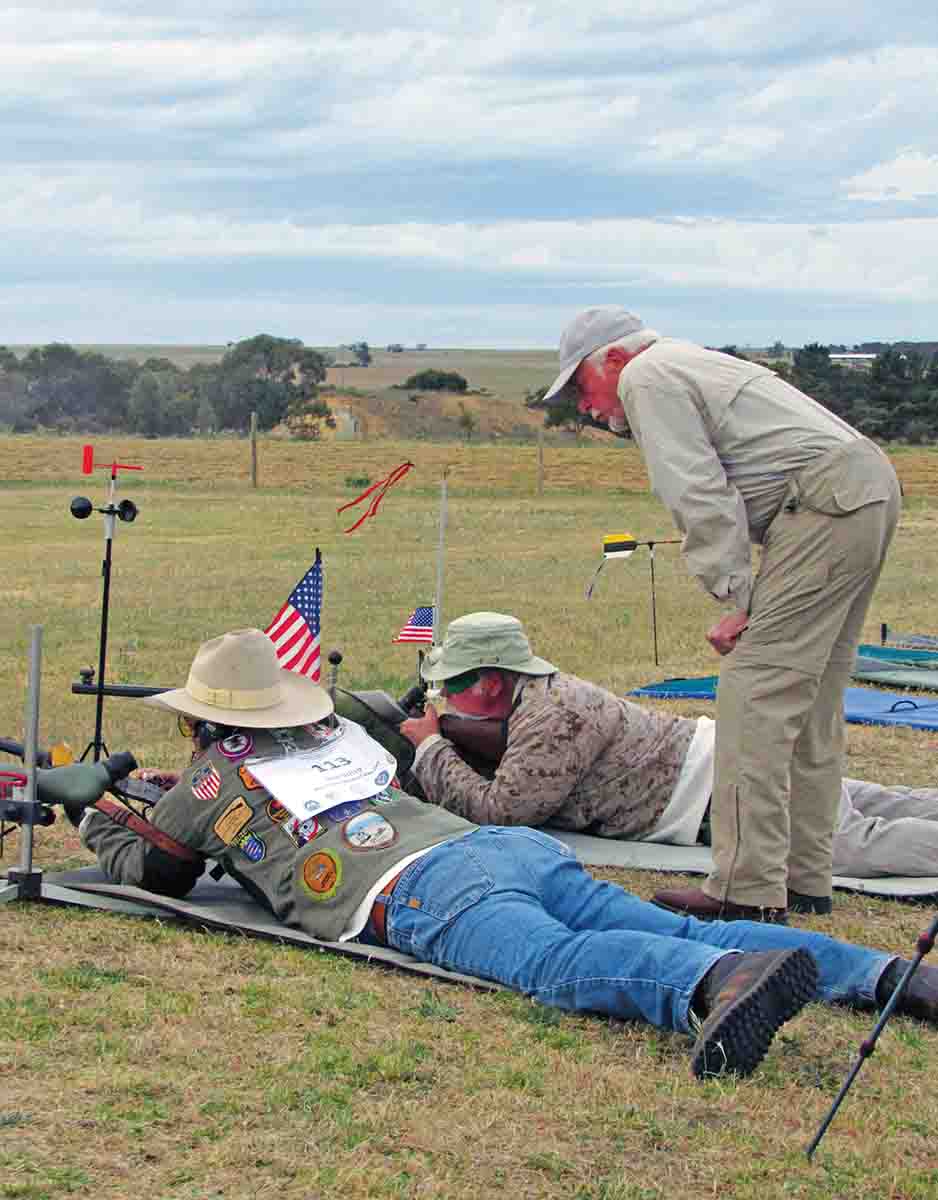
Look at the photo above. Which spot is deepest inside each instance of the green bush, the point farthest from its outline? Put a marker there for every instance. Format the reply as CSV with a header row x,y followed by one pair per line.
x,y
433,380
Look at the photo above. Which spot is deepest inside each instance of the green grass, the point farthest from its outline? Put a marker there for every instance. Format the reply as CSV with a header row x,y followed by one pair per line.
x,y
137,1057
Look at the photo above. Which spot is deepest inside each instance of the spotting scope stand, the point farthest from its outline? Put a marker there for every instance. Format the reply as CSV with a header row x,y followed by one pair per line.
x,y
36,790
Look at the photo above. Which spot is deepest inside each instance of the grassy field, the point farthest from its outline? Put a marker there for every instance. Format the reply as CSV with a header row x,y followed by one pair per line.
x,y
138,1057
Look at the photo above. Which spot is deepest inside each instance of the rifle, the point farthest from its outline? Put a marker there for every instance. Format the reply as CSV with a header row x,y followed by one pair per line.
x,y
480,744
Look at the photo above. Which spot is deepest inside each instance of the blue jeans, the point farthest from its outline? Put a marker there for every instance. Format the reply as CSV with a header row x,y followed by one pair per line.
x,y
514,905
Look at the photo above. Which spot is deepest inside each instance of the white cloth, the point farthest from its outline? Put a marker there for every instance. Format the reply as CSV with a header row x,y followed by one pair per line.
x,y
679,824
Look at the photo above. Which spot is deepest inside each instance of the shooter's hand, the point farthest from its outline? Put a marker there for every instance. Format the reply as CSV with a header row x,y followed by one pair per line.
x,y
418,729
725,634
164,780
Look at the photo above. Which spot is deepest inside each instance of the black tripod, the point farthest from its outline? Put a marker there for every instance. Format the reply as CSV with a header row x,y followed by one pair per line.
x,y
924,943
81,508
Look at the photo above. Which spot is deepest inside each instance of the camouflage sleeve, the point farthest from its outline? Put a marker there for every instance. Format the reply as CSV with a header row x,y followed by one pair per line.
x,y
549,744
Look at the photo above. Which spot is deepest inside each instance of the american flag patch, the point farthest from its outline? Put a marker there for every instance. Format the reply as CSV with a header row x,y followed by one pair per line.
x,y
206,783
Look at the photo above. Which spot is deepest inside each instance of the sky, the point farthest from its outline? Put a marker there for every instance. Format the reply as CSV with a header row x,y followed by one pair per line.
x,y
468,174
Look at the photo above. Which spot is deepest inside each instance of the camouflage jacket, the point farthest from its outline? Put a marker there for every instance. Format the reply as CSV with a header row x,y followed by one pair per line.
x,y
577,758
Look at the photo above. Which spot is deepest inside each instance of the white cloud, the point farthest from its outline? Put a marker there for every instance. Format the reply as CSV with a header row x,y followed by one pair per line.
x,y
911,175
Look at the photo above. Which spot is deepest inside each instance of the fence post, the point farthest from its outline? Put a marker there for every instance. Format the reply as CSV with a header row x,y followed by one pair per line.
x,y
254,449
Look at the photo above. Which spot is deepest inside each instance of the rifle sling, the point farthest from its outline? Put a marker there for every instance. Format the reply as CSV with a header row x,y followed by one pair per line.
x,y
123,816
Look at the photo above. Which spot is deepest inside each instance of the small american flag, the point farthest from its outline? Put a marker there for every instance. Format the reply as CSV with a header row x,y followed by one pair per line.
x,y
294,631
419,627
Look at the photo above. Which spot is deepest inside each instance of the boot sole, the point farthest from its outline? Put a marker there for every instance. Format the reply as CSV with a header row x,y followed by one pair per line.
x,y
735,1038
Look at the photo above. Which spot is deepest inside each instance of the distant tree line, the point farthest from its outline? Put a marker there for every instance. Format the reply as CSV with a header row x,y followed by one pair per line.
x,y
897,400
57,387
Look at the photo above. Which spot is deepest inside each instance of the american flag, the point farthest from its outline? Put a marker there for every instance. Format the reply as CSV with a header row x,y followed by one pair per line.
x,y
419,627
294,631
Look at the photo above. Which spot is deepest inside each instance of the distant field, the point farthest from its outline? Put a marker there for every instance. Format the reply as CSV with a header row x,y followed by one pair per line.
x,y
317,467
509,374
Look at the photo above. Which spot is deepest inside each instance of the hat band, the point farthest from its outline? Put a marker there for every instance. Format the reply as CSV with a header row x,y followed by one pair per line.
x,y
229,698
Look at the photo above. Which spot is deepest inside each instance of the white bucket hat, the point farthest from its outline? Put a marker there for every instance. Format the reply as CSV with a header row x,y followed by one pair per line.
x,y
236,679
483,639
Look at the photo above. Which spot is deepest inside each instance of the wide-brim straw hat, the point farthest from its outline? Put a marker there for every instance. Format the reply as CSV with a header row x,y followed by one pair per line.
x,y
236,679
483,639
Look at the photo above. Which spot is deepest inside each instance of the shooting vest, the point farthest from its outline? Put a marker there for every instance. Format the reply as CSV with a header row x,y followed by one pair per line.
x,y
314,872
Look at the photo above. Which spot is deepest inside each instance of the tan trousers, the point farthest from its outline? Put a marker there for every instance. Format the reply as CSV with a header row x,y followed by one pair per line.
x,y
780,729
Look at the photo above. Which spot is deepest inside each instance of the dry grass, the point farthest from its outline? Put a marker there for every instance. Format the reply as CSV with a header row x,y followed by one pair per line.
x,y
137,1057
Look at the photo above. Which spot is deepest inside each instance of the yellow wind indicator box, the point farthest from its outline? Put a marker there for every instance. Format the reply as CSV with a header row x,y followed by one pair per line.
x,y
619,545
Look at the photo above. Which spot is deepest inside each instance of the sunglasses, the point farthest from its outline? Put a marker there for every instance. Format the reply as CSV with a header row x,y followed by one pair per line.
x,y
461,683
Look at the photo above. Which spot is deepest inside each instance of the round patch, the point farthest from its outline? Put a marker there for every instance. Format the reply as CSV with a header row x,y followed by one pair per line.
x,y
382,779
369,831
238,745
277,812
322,874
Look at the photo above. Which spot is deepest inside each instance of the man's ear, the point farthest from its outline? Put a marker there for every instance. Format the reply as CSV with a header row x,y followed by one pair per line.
x,y
493,684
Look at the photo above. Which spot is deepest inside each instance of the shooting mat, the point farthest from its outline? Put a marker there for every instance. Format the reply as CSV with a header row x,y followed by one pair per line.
x,y
862,706
697,860
226,907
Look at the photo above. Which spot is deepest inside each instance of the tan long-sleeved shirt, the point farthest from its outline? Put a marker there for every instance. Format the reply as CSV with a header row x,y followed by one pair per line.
x,y
721,437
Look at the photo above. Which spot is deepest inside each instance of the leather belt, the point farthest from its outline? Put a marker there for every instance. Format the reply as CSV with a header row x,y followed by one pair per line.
x,y
378,918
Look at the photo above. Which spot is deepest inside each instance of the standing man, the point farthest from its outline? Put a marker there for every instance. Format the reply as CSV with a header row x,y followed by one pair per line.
x,y
740,456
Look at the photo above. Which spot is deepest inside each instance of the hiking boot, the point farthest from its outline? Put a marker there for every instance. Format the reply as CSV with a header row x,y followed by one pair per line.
x,y
694,902
920,998
744,999
798,902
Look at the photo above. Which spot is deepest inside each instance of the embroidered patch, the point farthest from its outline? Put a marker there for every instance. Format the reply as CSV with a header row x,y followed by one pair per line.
x,y
342,812
300,832
206,783
238,745
369,831
248,779
233,820
251,846
276,811
322,874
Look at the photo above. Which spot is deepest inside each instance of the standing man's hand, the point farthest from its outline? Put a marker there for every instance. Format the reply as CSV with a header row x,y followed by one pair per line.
x,y
418,729
725,634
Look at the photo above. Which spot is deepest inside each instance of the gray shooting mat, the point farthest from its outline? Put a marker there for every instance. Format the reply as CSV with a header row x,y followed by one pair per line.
x,y
226,907
697,860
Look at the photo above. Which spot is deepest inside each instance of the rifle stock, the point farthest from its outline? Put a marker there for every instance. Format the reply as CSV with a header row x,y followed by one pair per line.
x,y
484,740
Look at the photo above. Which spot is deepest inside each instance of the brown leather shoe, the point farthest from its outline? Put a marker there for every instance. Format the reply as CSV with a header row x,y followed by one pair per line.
x,y
920,998
693,902
746,998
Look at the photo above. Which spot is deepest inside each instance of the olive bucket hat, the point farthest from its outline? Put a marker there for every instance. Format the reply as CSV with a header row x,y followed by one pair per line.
x,y
236,679
483,639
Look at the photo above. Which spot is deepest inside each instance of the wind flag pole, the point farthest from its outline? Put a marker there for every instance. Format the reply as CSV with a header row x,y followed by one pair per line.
x,y
440,557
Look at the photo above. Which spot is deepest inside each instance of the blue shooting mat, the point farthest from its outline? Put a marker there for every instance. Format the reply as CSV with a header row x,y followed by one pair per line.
x,y
862,706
